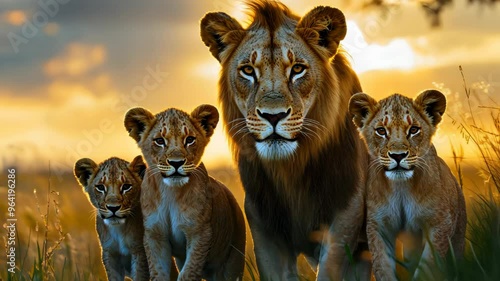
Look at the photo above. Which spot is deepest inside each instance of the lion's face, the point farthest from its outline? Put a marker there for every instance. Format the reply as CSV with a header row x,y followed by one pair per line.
x,y
113,187
273,72
397,130
274,89
172,141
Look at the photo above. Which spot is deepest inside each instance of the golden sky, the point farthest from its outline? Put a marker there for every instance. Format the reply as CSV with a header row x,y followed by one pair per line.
x,y
69,72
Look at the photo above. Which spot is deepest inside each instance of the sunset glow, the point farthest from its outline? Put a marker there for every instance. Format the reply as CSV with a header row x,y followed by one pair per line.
x,y
396,54
76,82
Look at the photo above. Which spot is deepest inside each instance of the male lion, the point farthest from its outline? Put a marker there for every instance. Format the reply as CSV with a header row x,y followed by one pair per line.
x,y
409,186
284,90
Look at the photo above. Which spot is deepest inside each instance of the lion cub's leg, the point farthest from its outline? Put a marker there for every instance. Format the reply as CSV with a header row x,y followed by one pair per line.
x,y
158,251
114,268
437,241
140,270
382,245
198,246
458,239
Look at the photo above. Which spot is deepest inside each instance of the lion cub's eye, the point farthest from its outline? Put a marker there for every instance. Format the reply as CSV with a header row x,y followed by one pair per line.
x,y
381,131
125,187
414,130
100,187
159,141
190,140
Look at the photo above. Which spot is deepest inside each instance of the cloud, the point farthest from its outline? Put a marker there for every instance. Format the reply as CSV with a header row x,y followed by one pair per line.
x,y
76,60
448,48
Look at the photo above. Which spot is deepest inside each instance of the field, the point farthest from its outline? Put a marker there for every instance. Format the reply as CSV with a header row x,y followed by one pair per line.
x,y
56,240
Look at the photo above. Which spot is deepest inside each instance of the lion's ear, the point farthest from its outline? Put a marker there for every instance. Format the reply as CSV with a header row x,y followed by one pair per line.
x,y
323,27
84,169
137,166
137,120
207,116
433,103
219,31
361,106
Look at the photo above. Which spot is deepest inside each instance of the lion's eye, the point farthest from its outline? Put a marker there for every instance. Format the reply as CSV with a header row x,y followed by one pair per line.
x,y
248,70
381,131
414,130
190,140
159,141
100,187
125,187
298,69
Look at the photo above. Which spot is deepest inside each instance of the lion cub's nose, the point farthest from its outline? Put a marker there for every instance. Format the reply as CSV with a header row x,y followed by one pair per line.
x,y
176,163
398,156
113,209
273,119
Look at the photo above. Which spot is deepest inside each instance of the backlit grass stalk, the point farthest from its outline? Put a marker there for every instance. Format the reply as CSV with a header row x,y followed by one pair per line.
x,y
487,142
43,266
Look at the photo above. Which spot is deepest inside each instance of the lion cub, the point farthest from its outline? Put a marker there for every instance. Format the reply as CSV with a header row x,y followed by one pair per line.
x,y
187,213
113,188
409,186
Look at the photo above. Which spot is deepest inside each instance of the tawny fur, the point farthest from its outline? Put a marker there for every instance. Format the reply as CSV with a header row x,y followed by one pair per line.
x,y
116,184
420,194
187,213
305,173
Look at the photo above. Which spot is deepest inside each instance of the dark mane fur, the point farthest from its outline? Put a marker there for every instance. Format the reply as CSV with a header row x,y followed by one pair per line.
x,y
269,15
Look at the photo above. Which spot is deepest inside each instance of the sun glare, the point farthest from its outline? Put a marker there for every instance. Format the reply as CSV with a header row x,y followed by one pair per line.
x,y
15,17
396,54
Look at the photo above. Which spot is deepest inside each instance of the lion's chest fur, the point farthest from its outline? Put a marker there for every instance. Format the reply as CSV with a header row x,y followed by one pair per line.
x,y
169,216
402,210
410,204
117,240
309,199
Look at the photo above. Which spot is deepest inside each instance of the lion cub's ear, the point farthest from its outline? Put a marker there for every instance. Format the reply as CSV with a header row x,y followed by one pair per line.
x,y
137,166
323,27
220,31
361,106
137,120
207,116
84,169
433,103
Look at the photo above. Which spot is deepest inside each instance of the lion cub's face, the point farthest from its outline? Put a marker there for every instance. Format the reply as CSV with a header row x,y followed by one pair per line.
x,y
398,130
172,141
113,187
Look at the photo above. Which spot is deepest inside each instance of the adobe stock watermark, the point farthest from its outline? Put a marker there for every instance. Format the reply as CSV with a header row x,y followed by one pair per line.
x,y
372,28
90,139
47,9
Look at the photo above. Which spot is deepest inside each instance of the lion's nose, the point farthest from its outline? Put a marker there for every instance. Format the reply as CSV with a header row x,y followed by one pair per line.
x,y
176,163
273,119
398,156
113,209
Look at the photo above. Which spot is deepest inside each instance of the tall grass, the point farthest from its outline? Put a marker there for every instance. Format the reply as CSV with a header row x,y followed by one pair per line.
x,y
482,258
44,251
